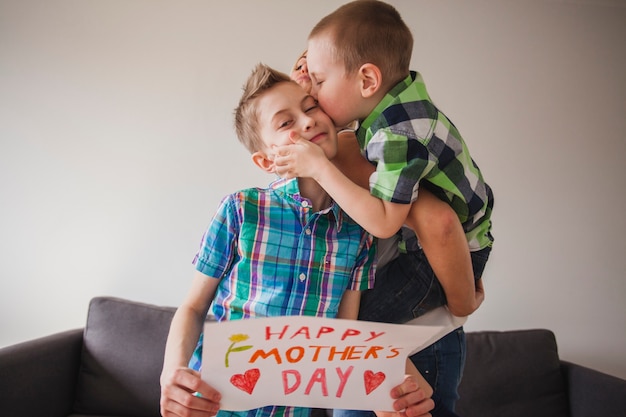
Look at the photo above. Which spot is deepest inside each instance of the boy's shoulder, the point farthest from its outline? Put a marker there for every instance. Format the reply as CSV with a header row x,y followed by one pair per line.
x,y
412,88
406,110
399,101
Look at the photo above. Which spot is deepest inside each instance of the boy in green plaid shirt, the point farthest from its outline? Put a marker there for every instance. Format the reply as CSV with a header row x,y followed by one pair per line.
x,y
358,59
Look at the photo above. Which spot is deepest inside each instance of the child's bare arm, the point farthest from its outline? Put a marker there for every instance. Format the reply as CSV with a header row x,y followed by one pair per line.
x,y
305,159
437,227
179,383
434,221
349,306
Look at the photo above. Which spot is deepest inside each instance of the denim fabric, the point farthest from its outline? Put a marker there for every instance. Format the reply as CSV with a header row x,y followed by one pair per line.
x,y
442,365
406,288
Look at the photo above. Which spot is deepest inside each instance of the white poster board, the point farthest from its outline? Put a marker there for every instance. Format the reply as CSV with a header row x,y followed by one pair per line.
x,y
312,361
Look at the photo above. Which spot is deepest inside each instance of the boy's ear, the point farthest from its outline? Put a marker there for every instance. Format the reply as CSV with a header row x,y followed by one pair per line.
x,y
261,160
371,79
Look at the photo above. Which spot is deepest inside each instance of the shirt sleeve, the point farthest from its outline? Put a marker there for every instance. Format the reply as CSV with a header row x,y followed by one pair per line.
x,y
400,164
218,247
365,265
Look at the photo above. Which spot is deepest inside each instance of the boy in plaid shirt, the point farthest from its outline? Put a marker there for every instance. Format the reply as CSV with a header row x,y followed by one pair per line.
x,y
358,59
283,250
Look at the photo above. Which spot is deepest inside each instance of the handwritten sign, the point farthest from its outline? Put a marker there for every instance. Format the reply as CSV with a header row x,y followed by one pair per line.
x,y
314,362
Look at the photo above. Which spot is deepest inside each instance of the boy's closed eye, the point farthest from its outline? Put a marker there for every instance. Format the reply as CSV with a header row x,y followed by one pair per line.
x,y
284,123
310,104
315,79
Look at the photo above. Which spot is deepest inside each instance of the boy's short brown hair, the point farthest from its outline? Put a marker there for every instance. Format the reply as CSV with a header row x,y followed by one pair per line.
x,y
260,81
369,31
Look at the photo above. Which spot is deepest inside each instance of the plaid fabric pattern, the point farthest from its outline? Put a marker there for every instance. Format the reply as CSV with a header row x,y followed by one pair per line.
x,y
409,140
276,411
274,256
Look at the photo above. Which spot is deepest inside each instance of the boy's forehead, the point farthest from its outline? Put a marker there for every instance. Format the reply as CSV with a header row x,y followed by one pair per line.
x,y
319,53
287,90
280,97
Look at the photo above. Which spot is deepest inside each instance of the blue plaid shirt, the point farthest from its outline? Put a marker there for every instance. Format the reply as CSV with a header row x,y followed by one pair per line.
x,y
274,256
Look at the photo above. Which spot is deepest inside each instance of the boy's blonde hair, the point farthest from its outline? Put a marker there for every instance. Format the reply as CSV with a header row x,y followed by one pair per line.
x,y
369,31
259,82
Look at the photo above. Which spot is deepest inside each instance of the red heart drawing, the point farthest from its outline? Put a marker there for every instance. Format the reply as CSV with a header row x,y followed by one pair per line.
x,y
372,380
247,381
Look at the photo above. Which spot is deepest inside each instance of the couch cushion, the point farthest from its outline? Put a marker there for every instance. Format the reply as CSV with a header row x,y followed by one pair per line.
x,y
122,357
513,373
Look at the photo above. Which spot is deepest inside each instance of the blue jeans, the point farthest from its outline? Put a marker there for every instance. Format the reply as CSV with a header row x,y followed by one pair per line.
x,y
406,288
442,363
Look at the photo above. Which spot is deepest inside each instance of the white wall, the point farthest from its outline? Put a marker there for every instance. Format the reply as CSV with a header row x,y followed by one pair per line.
x,y
116,145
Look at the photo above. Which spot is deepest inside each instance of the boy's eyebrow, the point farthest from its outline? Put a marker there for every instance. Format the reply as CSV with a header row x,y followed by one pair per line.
x,y
278,113
308,99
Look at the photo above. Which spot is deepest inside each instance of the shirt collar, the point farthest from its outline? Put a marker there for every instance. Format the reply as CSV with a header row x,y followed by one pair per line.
x,y
391,96
290,188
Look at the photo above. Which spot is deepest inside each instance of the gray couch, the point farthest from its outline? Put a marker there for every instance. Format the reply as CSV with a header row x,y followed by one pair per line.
x,y
112,367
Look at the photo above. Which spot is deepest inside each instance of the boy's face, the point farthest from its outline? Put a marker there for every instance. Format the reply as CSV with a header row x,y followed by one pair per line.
x,y
336,91
287,108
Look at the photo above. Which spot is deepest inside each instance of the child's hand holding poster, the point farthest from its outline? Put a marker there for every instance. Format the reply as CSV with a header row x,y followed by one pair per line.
x,y
314,362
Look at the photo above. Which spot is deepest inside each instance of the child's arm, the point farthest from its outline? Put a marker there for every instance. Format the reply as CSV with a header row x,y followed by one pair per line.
x,y
305,159
349,305
179,384
437,227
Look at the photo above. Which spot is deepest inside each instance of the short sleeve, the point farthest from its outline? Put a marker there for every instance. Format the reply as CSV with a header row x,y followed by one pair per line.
x,y
218,247
400,164
364,269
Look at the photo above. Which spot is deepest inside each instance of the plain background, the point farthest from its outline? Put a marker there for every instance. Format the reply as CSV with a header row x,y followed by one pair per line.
x,y
117,145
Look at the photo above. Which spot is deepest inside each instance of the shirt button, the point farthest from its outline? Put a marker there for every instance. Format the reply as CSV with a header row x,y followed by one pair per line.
x,y
302,277
305,204
307,231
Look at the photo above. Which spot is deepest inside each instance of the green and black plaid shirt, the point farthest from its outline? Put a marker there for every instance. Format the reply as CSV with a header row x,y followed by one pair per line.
x,y
411,141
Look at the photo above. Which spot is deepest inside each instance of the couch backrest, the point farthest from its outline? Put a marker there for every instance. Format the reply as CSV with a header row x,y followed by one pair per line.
x,y
122,358
511,374
507,374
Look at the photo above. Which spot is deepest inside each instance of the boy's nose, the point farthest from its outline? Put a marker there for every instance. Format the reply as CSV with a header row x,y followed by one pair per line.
x,y
308,123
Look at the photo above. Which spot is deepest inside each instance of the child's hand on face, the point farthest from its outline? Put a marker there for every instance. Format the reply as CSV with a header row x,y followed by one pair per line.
x,y
302,158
